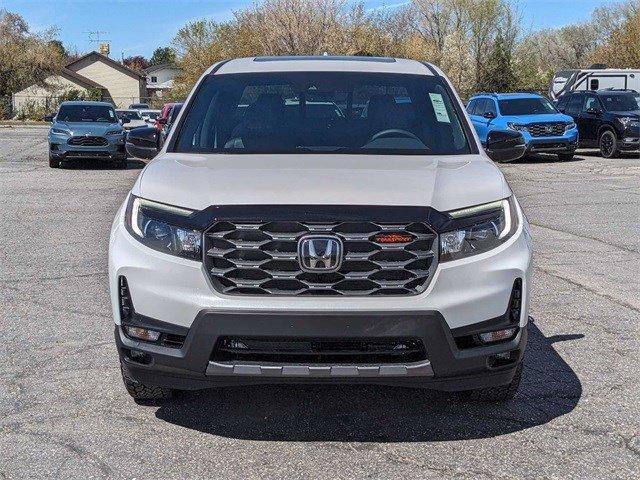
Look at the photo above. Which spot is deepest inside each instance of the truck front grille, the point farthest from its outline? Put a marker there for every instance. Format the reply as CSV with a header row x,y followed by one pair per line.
x,y
546,129
88,141
261,258
319,350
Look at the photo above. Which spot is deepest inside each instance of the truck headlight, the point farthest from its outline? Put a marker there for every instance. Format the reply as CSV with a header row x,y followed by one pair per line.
x,y
482,228
113,132
60,131
569,126
628,122
518,127
157,226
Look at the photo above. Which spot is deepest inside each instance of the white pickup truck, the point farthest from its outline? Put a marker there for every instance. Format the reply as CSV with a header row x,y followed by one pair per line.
x,y
321,219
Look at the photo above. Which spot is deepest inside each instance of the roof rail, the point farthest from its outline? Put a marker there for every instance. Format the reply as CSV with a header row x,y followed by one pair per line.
x,y
493,94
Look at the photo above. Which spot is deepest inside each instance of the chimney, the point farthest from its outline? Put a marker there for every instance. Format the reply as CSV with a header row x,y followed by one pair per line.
x,y
104,49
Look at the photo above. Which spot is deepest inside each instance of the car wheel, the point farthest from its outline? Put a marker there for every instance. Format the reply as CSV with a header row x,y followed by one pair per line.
x,y
501,393
565,157
53,163
141,392
608,144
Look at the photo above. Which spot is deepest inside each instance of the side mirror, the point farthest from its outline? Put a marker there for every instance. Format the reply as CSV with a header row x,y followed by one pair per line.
x,y
489,115
124,120
505,145
594,111
49,118
142,142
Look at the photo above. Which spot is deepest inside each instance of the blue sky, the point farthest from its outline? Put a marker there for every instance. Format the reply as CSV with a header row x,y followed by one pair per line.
x,y
138,27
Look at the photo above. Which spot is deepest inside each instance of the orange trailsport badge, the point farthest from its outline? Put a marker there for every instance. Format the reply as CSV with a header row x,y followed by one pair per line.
x,y
393,238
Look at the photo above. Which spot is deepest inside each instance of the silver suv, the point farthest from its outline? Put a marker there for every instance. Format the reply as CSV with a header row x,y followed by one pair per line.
x,y
86,130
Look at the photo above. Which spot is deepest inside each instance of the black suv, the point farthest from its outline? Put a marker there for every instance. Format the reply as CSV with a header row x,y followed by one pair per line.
x,y
606,119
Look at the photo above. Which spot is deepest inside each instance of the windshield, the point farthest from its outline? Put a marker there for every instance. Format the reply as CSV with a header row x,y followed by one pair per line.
x,y
526,106
621,102
129,115
86,113
322,112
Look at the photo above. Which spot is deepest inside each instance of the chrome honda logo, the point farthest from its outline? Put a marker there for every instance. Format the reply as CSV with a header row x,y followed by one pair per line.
x,y
548,128
320,253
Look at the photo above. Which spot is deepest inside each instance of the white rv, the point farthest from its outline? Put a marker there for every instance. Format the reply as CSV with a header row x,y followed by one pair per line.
x,y
593,78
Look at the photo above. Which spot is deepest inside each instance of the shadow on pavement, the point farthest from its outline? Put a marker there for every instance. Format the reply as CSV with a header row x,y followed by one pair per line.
x,y
545,158
307,413
93,164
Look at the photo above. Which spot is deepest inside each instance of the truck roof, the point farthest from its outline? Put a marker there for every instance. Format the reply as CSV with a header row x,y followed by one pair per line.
x,y
86,103
326,63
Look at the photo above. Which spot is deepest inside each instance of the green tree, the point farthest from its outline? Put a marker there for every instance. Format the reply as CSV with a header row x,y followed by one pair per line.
x,y
26,58
498,76
162,55
137,63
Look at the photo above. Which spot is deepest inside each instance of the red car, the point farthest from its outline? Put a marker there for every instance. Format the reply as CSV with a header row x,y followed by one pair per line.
x,y
161,121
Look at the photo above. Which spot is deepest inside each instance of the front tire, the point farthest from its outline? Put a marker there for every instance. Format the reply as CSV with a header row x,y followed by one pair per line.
x,y
501,393
565,157
142,392
608,144
53,163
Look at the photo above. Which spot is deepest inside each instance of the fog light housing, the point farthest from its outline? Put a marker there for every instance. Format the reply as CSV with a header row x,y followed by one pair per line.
x,y
497,336
142,333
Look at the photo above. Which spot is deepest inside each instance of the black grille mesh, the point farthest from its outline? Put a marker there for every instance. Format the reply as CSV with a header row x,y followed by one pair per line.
x,y
261,258
540,129
88,141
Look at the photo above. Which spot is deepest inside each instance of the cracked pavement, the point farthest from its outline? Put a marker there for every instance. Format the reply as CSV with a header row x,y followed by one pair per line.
x,y
65,414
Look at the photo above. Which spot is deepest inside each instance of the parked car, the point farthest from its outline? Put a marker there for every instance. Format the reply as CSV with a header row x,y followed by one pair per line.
x,y
134,116
161,120
173,114
150,116
86,130
545,130
606,119
596,77
139,106
273,239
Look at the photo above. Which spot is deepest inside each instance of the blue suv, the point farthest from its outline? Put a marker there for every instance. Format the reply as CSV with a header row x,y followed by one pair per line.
x,y
545,130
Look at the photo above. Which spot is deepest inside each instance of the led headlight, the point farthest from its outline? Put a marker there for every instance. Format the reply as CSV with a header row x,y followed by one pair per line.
x,y
61,131
114,132
154,225
569,126
517,127
483,228
628,122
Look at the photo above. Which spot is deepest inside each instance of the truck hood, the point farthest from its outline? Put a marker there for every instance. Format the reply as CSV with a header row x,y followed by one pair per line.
x,y
442,182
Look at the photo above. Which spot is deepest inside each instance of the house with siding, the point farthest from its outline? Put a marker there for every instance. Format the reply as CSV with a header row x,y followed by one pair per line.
x,y
160,78
112,81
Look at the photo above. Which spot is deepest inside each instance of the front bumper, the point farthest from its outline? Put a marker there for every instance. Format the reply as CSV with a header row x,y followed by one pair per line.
x,y
567,143
464,295
447,366
630,139
61,150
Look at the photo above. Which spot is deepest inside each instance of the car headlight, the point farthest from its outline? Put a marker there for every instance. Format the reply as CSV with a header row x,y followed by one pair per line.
x,y
517,127
60,131
157,226
569,126
114,132
482,228
628,122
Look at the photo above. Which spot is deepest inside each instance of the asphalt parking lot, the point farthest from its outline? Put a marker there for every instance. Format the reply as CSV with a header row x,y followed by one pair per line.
x,y
64,412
